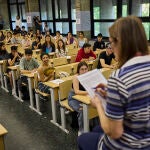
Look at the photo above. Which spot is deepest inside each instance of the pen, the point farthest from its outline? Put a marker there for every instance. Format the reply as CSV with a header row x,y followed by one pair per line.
x,y
103,88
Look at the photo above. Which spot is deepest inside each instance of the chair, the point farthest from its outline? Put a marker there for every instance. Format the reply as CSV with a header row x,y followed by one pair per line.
x,y
59,61
72,52
64,89
37,93
95,63
64,68
107,73
5,75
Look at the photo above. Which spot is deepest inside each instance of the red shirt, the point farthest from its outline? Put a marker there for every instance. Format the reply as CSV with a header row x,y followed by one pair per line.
x,y
82,55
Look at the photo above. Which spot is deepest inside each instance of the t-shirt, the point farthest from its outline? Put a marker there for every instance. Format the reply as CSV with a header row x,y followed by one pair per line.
x,y
82,55
129,100
99,45
106,58
28,65
17,60
61,53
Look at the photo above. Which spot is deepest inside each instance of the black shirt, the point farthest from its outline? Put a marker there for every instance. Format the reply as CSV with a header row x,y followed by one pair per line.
x,y
106,58
99,45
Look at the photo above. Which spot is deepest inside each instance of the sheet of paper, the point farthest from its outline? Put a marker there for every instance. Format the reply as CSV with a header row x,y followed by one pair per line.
x,y
90,80
57,81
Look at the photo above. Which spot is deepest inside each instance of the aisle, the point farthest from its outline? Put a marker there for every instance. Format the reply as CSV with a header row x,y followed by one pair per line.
x,y
29,131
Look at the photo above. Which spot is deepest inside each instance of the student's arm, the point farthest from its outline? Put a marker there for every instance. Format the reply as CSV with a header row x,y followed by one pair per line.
x,y
102,61
76,87
42,77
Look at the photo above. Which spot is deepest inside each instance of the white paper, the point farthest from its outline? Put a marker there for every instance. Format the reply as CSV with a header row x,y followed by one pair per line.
x,y
57,81
90,80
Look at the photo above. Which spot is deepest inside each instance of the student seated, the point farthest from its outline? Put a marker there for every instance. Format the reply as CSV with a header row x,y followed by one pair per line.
x,y
48,46
14,59
99,44
85,53
81,39
106,57
3,52
45,73
61,50
77,88
2,37
27,65
37,43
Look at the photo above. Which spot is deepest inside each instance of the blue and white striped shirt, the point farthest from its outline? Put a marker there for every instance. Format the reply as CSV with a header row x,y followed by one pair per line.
x,y
129,100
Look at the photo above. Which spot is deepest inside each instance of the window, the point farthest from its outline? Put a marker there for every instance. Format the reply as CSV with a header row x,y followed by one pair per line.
x,y
147,29
59,14
46,10
17,7
104,11
140,8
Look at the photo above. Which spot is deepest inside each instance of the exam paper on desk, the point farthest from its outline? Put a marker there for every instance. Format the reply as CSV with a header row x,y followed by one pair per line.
x,y
90,80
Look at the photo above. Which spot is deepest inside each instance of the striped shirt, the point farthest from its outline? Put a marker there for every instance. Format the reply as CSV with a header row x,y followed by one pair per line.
x,y
129,100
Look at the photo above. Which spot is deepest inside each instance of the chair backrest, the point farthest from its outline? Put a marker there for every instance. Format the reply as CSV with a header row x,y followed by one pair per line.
x,y
95,63
73,58
72,52
59,61
64,89
17,72
64,68
107,73
5,65
70,46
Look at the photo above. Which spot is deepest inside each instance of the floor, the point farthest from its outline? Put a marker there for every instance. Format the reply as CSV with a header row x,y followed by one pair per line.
x,y
29,131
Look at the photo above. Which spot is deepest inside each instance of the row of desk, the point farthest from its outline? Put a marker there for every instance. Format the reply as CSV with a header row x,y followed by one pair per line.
x,y
54,86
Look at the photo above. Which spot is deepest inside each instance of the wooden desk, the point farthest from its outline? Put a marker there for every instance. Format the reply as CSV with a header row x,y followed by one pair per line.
x,y
30,77
13,71
86,102
3,131
54,97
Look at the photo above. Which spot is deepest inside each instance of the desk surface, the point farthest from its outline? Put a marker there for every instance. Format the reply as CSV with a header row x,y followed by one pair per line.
x,y
12,67
2,130
56,85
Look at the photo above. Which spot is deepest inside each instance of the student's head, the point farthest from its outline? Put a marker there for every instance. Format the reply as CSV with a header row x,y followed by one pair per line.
x,y
99,37
1,33
38,39
109,49
9,34
28,54
128,39
17,17
81,33
86,47
69,34
13,49
47,38
61,44
82,67
57,33
44,57
23,27
2,46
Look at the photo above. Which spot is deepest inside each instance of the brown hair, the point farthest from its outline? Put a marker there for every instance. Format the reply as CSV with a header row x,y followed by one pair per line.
x,y
82,63
130,36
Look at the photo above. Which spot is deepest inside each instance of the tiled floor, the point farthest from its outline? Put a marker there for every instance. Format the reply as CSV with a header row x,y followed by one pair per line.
x,y
29,131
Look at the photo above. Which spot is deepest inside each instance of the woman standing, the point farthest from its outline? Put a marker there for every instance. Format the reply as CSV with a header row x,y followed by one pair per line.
x,y
126,121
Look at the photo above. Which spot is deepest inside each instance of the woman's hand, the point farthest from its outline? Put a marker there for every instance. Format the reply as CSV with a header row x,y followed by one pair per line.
x,y
101,89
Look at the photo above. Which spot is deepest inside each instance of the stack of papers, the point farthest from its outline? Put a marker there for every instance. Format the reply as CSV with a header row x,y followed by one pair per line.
x,y
90,80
